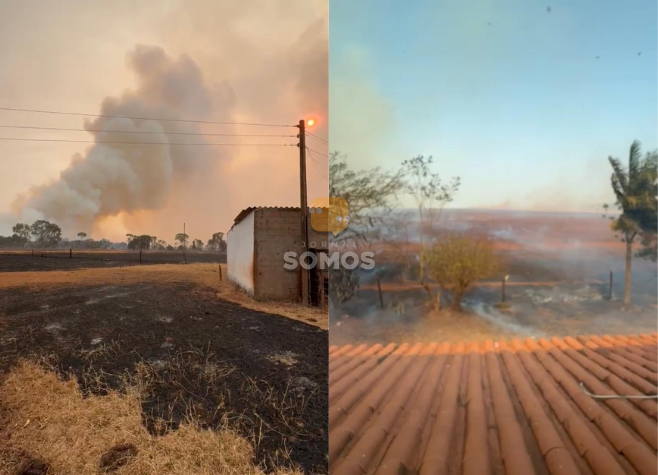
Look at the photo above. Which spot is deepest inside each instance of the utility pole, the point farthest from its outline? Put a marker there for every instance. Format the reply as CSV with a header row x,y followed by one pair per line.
x,y
184,241
306,286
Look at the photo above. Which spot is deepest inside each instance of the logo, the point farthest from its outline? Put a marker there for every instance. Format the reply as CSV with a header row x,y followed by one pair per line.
x,y
329,214
349,260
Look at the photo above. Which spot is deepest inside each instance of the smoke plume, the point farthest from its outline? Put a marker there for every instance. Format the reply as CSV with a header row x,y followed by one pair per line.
x,y
114,177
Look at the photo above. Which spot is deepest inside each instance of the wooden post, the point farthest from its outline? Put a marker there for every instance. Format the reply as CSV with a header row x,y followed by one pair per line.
x,y
220,273
140,256
305,274
379,289
42,254
71,253
32,252
610,289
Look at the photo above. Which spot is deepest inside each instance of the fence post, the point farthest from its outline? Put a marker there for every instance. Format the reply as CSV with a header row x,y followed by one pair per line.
x,y
379,289
71,253
140,257
220,272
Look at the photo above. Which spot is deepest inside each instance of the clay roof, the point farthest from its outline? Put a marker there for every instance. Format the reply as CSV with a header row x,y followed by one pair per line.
x,y
514,408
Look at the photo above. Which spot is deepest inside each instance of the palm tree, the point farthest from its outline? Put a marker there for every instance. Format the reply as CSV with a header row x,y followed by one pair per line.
x,y
635,189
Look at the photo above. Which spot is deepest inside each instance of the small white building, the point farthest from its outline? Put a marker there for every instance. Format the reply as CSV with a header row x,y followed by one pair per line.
x,y
256,244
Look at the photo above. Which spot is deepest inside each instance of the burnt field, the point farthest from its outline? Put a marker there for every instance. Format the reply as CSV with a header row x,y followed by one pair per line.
x,y
196,347
48,259
559,268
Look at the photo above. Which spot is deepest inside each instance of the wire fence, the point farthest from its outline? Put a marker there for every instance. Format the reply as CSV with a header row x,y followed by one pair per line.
x,y
127,257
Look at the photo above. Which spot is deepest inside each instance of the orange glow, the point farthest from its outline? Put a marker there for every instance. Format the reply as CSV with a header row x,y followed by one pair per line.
x,y
310,122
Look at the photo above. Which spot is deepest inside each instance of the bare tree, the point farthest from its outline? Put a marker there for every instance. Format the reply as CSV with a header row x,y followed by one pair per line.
x,y
431,194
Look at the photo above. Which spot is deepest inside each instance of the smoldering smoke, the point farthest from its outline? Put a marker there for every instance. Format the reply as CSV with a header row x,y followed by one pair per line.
x,y
111,178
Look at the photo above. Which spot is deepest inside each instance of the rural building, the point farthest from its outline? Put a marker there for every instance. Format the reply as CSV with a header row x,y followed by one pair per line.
x,y
257,242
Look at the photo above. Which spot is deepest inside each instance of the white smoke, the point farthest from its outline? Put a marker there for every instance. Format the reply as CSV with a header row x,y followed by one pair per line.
x,y
111,178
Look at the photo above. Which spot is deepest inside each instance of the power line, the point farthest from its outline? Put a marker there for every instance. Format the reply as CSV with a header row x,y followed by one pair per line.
x,y
13,109
319,138
322,154
140,132
148,143
316,164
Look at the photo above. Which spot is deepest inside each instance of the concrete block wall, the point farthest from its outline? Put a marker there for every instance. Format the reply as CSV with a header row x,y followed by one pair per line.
x,y
276,232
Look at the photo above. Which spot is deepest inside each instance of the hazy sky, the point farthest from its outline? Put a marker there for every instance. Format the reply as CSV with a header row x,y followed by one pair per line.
x,y
524,104
258,61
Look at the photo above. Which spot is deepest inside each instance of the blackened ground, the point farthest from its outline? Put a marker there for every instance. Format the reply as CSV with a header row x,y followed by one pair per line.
x,y
263,374
61,259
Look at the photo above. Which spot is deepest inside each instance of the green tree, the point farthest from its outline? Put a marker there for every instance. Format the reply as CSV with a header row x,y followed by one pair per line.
x,y
22,231
370,194
82,235
46,234
456,262
181,238
142,242
635,190
217,243
431,194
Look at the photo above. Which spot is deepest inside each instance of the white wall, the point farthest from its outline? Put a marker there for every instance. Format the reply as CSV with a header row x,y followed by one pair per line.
x,y
240,253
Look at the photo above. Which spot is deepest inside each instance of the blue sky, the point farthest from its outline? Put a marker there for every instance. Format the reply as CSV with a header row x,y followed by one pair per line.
x,y
525,105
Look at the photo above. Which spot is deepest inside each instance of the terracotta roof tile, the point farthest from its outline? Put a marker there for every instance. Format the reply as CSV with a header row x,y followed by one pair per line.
x,y
514,408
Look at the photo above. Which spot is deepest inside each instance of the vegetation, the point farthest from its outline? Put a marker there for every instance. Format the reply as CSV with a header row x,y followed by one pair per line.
x,y
456,262
181,238
371,194
430,193
44,234
343,284
635,189
217,243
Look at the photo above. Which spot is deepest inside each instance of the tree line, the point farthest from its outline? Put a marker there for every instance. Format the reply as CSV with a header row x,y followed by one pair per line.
x,y
44,234
145,242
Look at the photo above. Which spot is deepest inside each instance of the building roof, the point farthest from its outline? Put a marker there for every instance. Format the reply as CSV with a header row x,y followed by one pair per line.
x,y
515,408
243,214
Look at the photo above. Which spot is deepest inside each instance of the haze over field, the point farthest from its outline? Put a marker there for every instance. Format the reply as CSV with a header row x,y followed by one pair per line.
x,y
169,61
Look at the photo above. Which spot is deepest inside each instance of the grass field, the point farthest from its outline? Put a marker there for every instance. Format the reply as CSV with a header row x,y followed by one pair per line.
x,y
190,352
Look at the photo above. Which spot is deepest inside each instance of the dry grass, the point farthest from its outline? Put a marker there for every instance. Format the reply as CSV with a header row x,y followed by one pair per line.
x,y
52,419
318,317
205,276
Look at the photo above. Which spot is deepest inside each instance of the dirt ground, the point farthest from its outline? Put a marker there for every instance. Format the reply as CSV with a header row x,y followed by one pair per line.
x,y
48,259
208,350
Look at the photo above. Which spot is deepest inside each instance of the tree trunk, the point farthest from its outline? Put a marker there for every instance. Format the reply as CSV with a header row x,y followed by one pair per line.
x,y
457,300
429,293
627,283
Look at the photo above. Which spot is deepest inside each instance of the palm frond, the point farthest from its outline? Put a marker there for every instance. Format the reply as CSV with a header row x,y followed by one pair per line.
x,y
634,159
619,180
